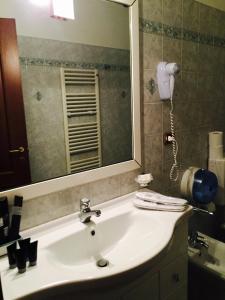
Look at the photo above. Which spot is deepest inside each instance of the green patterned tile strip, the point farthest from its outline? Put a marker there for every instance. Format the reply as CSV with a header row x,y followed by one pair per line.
x,y
173,32
27,61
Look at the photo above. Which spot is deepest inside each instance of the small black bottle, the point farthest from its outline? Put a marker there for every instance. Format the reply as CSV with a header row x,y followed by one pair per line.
x,y
21,260
11,252
16,218
24,245
32,253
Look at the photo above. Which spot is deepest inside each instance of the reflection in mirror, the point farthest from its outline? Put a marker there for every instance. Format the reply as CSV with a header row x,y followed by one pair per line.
x,y
74,110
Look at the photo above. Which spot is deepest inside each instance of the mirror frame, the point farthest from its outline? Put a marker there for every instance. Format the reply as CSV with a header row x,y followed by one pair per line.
x,y
68,181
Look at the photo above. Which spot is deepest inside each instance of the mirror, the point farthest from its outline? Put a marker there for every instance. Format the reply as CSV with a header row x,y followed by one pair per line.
x,y
76,88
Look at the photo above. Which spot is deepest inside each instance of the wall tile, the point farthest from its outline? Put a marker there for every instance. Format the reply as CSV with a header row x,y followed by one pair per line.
x,y
190,56
172,12
205,87
127,182
105,189
46,208
151,50
191,149
204,137
151,9
76,194
219,21
153,155
206,17
172,50
191,15
166,116
206,52
189,86
40,210
186,115
218,59
152,118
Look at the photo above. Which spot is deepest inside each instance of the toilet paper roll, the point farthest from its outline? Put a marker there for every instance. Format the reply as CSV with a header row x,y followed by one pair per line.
x,y
216,152
216,145
216,138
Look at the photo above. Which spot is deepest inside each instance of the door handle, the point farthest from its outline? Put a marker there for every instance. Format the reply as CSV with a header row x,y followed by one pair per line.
x,y
19,150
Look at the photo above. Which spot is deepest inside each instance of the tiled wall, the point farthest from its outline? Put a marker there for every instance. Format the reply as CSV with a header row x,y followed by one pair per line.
x,y
46,208
193,35
41,60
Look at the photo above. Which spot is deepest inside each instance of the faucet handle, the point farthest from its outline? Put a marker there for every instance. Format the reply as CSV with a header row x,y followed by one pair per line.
x,y
84,203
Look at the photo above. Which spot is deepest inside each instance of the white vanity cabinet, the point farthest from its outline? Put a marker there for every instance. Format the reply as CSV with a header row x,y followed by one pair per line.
x,y
168,279
165,280
146,251
146,287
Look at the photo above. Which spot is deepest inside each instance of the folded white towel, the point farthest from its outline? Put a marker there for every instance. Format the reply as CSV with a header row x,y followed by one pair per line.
x,y
160,199
154,206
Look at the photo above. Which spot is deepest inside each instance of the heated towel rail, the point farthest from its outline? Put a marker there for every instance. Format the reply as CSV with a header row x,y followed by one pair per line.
x,y
80,91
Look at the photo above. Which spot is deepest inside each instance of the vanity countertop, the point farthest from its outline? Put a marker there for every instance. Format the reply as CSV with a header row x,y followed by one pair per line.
x,y
127,237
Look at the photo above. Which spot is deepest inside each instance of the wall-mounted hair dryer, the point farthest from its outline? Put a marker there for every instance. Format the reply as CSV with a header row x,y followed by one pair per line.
x,y
166,79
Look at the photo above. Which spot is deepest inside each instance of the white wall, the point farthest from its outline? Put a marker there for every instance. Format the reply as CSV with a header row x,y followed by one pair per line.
x,y
97,22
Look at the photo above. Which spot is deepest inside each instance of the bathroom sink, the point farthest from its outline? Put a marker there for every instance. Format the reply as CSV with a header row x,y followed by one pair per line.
x,y
123,239
119,239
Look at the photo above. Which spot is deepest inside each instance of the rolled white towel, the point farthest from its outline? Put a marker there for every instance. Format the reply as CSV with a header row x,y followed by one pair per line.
x,y
160,199
154,206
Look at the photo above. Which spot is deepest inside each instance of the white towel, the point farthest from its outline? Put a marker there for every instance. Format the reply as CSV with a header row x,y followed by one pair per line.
x,y
154,206
160,199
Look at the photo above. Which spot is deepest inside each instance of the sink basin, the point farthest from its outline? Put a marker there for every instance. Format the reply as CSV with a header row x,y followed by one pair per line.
x,y
128,238
119,239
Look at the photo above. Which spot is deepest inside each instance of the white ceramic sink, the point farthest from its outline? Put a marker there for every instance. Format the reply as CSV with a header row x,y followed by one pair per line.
x,y
110,238
127,237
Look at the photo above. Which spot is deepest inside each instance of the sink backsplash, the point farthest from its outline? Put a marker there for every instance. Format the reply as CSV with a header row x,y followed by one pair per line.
x,y
43,209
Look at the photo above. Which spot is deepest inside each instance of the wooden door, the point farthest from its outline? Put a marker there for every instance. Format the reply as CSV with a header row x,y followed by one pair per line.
x,y
14,159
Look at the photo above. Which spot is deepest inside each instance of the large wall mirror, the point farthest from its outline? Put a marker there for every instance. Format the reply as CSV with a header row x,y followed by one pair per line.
x,y
79,99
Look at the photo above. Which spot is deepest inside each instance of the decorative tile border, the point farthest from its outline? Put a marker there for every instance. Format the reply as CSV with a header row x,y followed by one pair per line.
x,y
27,61
173,32
148,26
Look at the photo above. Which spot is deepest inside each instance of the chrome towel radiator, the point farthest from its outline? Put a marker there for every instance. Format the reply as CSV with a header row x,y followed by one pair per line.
x,y
80,91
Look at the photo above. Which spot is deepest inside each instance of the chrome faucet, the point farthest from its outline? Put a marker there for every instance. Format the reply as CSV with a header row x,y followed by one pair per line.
x,y
85,211
197,241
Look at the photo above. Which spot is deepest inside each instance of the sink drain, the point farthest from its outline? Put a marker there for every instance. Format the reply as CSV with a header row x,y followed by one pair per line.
x,y
102,263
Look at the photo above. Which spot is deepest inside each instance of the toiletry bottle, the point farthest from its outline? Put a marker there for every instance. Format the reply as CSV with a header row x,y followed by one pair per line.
x,y
4,214
16,218
11,252
24,245
32,253
21,260
2,233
